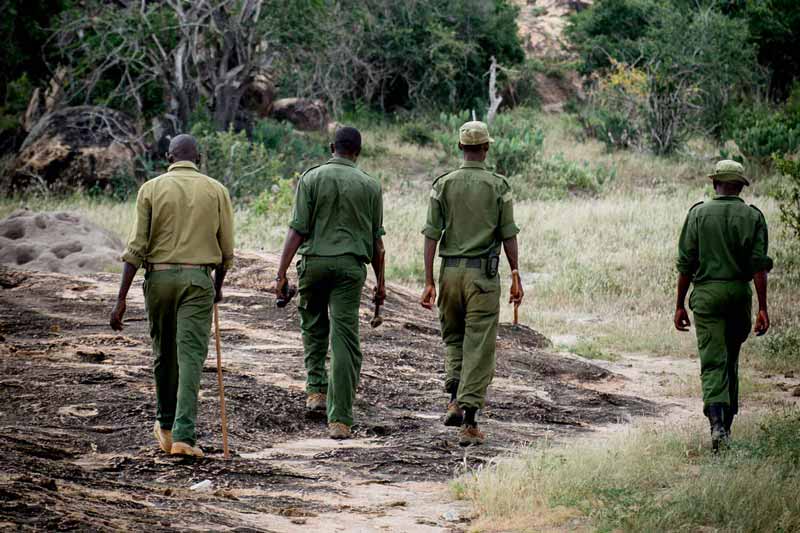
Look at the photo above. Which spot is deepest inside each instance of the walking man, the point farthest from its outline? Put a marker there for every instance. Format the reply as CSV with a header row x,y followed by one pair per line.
x,y
471,211
337,227
183,231
723,245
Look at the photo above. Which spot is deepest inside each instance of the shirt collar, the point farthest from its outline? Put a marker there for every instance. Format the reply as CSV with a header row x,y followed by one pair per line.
x,y
182,164
341,161
729,198
473,164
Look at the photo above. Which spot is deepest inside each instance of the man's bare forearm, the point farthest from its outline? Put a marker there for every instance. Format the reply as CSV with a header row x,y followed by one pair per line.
x,y
290,247
379,260
512,252
760,281
684,281
128,273
430,254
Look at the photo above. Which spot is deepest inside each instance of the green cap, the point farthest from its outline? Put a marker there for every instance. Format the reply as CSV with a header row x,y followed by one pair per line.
x,y
727,170
474,132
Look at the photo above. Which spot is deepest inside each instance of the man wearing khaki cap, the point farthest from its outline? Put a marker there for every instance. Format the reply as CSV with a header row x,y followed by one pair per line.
x,y
471,212
723,245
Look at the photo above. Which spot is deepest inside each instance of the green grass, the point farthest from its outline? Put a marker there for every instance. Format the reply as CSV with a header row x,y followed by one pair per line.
x,y
650,478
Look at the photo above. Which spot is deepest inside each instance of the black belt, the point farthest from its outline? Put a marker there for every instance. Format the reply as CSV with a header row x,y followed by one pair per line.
x,y
469,262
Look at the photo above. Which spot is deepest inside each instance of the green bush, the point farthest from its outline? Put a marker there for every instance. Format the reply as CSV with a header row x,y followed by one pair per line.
x,y
245,167
416,132
614,128
518,141
557,177
782,347
277,201
296,150
761,131
789,194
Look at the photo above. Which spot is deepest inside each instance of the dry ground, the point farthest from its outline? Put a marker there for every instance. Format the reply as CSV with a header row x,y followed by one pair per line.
x,y
78,403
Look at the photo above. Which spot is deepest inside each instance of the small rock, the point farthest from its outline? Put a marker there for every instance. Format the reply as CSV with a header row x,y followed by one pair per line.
x,y
789,374
168,492
203,486
796,392
298,521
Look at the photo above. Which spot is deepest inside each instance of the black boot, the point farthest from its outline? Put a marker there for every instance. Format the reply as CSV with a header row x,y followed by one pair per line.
x,y
716,418
728,415
454,415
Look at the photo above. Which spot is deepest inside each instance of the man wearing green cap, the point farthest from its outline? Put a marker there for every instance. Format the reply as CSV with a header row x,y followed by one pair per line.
x,y
337,226
723,245
471,212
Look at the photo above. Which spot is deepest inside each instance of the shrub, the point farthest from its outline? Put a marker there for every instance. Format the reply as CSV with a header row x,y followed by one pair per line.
x,y
277,201
518,141
789,194
245,167
782,347
761,131
416,132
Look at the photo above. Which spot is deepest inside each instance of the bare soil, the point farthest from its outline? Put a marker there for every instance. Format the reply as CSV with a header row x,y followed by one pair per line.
x,y
77,405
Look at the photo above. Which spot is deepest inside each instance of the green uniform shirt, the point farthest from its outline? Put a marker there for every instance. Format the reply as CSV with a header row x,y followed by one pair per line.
x,y
182,216
339,209
471,210
723,240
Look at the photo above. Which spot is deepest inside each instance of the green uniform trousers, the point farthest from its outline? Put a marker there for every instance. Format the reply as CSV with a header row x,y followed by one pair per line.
x,y
179,305
335,283
469,308
722,322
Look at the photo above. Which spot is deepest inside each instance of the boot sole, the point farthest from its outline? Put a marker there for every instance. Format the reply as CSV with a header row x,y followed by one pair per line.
x,y
453,420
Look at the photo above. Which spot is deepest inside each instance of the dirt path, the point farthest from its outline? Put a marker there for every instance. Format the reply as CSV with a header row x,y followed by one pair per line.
x,y
77,403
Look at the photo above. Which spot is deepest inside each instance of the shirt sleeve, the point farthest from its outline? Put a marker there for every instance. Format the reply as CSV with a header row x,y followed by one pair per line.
x,y
688,257
136,251
507,227
434,225
225,231
301,215
377,217
759,260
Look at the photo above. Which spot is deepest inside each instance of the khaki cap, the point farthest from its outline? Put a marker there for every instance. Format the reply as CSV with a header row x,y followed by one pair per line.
x,y
474,132
727,170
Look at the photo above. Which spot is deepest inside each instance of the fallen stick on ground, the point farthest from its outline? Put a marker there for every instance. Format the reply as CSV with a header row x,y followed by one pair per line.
x,y
223,414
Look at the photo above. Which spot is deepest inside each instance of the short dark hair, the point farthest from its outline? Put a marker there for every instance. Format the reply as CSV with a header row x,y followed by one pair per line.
x,y
347,140
472,148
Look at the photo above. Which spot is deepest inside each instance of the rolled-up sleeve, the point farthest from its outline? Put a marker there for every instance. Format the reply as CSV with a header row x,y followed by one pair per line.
x,y
225,233
688,257
301,215
434,224
508,227
759,260
136,250
377,217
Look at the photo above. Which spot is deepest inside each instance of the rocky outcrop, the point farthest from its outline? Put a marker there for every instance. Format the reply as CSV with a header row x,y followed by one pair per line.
x,y
259,95
304,114
76,147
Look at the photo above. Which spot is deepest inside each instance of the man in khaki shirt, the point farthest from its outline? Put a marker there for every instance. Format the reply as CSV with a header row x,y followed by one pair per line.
x,y
183,231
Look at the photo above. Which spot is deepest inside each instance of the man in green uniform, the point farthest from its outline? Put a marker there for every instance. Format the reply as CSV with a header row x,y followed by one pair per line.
x,y
183,231
723,245
337,226
471,211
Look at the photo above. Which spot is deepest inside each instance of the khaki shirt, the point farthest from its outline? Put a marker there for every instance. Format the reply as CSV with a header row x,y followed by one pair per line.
x,y
723,240
471,210
339,209
182,216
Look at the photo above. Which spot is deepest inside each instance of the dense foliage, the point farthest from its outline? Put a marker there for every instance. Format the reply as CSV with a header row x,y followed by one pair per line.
x,y
663,70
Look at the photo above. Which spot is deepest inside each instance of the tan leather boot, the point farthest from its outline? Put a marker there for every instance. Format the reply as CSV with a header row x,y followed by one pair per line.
x,y
182,448
454,416
470,436
317,402
163,437
338,431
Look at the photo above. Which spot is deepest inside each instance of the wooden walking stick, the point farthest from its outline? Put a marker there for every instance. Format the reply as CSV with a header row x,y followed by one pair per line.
x,y
224,415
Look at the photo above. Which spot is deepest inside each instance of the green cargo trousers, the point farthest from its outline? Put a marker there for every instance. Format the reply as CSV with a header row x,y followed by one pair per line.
x,y
722,315
469,308
179,304
333,283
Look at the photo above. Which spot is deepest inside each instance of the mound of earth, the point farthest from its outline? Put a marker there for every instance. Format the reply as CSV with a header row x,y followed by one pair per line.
x,y
56,242
78,405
